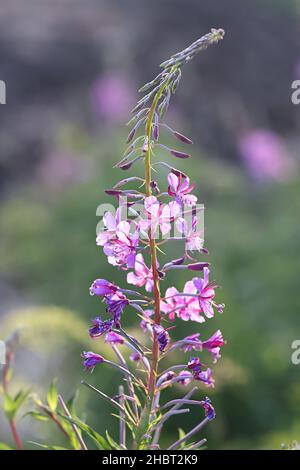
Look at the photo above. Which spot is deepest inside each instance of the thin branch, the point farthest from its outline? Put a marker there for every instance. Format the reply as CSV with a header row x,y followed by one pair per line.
x,y
74,427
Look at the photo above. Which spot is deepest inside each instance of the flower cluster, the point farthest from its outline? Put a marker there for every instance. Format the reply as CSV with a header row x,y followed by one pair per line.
x,y
130,240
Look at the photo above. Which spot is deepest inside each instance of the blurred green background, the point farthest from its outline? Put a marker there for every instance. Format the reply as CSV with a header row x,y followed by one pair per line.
x,y
71,71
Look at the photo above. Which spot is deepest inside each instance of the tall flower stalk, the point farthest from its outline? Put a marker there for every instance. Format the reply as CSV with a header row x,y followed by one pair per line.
x,y
143,222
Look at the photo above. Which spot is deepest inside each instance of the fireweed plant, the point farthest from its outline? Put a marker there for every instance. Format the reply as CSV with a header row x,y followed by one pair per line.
x,y
133,239
125,241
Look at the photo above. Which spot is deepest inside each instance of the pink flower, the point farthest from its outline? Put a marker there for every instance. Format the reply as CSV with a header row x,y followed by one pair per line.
x,y
112,97
265,155
121,249
185,307
159,215
114,338
213,345
206,294
142,276
179,187
194,238
111,223
199,299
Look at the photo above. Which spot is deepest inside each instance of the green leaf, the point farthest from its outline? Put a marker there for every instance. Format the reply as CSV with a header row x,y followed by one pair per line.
x,y
44,446
111,442
9,406
52,397
100,441
36,415
4,446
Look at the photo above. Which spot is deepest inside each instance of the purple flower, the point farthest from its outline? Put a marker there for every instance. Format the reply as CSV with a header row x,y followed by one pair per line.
x,y
196,343
114,338
91,359
185,377
135,357
101,287
208,408
142,276
179,187
99,327
205,376
194,364
162,335
213,345
147,314
115,306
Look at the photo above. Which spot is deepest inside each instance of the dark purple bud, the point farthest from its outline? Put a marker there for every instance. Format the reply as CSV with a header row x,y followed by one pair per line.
x,y
198,266
131,135
128,165
113,192
178,154
155,127
204,251
178,172
178,261
182,138
155,132
154,187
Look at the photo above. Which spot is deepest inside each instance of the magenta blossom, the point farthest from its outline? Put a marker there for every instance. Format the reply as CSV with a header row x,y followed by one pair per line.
x,y
206,294
121,249
114,338
142,276
159,216
193,237
102,287
179,187
112,224
213,345
185,307
91,359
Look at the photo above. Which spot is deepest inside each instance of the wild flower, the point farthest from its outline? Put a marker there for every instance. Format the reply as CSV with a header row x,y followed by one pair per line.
x,y
133,245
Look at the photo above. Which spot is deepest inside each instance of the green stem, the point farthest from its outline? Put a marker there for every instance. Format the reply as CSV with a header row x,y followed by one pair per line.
x,y
152,243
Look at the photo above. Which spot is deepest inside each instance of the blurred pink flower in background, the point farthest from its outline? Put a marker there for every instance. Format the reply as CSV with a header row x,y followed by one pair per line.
x,y
112,97
265,155
62,168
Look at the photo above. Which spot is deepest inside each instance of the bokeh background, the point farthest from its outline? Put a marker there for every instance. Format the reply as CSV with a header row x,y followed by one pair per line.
x,y
72,69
